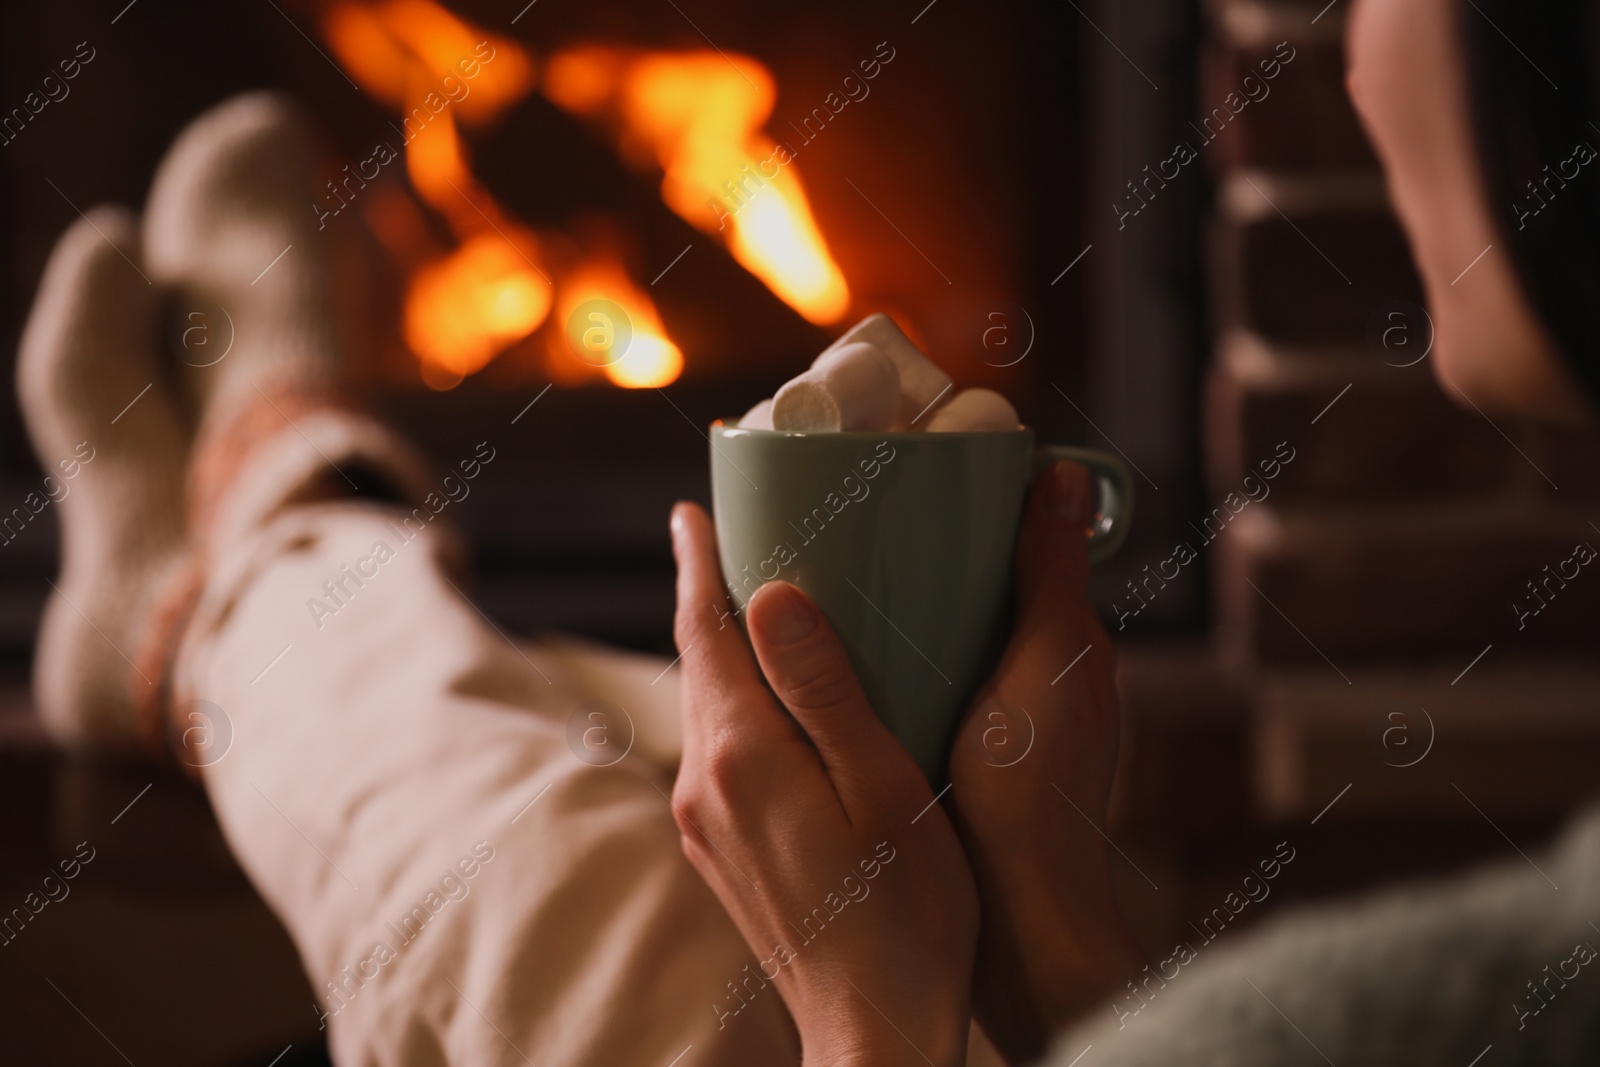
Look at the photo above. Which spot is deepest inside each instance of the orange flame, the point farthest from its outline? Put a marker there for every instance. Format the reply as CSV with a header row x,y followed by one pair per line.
x,y
462,310
650,359
401,50
697,115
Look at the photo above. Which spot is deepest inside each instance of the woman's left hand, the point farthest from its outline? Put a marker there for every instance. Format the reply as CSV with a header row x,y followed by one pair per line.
x,y
818,833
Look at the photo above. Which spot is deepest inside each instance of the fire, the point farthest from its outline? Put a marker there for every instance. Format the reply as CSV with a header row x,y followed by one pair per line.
x,y
463,307
462,310
648,358
437,165
697,116
401,50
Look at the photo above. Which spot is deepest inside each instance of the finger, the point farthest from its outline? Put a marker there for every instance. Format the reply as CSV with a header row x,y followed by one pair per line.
x,y
1053,545
1052,564
718,670
1055,624
809,670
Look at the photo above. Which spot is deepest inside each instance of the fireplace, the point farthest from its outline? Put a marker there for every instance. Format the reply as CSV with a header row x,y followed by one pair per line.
x,y
731,186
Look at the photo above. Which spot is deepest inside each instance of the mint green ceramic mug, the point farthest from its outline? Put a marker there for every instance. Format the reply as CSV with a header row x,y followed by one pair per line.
x,y
904,541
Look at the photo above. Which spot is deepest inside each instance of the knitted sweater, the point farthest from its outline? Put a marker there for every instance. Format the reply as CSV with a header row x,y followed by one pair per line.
x,y
1431,974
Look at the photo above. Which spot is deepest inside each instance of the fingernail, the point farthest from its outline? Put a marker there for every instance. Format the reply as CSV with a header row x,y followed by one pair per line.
x,y
677,525
1072,492
787,615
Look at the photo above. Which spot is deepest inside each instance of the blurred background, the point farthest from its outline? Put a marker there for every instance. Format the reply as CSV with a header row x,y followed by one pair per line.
x,y
1337,663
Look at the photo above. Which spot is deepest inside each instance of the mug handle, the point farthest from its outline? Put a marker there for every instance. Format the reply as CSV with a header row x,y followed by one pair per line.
x,y
1115,495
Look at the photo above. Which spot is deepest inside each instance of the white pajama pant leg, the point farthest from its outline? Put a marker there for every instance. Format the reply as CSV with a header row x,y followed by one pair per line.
x,y
402,787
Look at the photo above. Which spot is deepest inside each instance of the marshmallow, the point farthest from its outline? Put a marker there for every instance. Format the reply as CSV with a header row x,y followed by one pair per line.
x,y
850,387
974,410
758,417
922,383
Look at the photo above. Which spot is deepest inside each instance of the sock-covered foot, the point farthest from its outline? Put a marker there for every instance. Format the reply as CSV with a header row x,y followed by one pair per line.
x,y
230,224
100,409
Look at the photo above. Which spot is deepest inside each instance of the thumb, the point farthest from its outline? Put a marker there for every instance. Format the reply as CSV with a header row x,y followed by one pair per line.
x,y
809,670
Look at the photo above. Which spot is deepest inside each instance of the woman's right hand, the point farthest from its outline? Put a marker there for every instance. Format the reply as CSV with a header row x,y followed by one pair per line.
x,y
1031,772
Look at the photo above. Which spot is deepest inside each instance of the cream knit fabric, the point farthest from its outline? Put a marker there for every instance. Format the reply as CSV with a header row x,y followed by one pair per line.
x,y
101,410
229,226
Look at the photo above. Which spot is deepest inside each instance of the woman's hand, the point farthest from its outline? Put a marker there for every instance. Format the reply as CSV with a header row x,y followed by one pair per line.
x,y
818,834
1030,774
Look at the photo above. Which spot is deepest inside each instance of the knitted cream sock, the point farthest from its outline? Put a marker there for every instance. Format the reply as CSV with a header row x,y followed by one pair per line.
x,y
105,422
230,223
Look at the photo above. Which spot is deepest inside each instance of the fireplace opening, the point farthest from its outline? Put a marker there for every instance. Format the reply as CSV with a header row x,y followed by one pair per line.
x,y
730,187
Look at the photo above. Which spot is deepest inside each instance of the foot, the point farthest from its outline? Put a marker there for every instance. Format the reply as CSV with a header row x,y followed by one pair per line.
x,y
230,227
109,432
